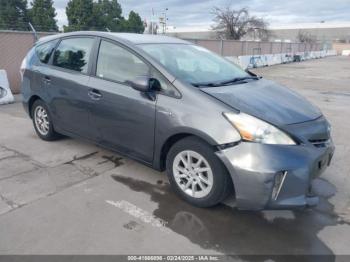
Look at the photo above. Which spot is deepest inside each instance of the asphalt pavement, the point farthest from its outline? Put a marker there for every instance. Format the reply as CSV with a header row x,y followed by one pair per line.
x,y
71,197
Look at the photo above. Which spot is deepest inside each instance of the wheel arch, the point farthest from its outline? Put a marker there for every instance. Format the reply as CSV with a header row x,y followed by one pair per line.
x,y
229,181
31,101
160,158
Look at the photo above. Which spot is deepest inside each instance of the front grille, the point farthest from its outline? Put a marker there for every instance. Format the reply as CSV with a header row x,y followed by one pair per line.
x,y
320,142
316,132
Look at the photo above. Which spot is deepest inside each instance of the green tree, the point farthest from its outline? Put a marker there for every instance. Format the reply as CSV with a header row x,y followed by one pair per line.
x,y
134,23
80,15
101,15
42,15
108,16
13,15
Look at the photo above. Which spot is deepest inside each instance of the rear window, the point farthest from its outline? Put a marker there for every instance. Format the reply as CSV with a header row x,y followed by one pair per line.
x,y
74,54
44,51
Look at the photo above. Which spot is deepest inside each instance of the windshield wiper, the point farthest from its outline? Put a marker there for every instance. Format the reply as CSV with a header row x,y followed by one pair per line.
x,y
207,84
222,83
239,79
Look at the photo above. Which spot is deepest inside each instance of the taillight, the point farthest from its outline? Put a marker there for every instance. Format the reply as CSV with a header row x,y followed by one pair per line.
x,y
23,67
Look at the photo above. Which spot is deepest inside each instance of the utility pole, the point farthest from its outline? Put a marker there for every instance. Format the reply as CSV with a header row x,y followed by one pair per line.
x,y
163,20
152,21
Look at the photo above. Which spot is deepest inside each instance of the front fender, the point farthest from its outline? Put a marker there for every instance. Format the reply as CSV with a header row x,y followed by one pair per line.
x,y
196,114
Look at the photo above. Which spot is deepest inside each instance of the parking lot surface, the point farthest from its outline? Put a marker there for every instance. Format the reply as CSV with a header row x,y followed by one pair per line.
x,y
71,197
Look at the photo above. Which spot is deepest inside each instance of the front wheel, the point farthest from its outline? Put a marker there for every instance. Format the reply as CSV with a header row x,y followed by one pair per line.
x,y
196,173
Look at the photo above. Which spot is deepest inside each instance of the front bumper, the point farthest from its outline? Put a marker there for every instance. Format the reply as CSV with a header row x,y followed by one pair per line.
x,y
254,167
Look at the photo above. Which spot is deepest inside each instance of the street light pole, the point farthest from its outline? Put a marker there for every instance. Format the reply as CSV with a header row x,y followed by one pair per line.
x,y
163,20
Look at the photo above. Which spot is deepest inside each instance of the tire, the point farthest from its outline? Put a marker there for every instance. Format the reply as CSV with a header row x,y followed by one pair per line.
x,y
42,121
211,186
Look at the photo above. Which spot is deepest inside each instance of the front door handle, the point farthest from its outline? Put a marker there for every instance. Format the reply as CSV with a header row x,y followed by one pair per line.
x,y
95,94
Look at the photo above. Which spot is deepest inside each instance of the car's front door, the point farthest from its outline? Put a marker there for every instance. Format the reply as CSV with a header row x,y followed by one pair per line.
x,y
67,84
124,117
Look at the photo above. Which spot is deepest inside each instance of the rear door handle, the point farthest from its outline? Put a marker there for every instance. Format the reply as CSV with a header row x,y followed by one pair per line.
x,y
95,94
47,79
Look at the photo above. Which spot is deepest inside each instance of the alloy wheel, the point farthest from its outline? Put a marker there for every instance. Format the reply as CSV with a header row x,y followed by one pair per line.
x,y
193,174
41,120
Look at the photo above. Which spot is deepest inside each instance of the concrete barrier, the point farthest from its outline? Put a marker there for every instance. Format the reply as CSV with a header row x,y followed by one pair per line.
x,y
5,91
254,61
331,52
274,59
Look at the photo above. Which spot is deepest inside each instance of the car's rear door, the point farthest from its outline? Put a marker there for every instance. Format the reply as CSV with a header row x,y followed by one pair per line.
x,y
124,117
67,84
39,68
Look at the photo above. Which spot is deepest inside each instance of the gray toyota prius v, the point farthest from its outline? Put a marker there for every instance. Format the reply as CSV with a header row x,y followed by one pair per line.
x,y
216,129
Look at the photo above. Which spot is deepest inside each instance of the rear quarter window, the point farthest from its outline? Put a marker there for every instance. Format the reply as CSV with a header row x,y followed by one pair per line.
x,y
44,51
74,53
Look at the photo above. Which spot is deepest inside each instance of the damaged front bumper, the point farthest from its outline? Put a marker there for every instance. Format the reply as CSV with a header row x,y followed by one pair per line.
x,y
275,176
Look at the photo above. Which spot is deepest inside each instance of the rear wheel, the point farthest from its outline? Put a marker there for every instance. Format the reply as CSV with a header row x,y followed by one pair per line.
x,y
196,173
42,121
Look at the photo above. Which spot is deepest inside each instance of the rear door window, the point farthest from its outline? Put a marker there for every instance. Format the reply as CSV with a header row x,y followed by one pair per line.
x,y
74,54
45,50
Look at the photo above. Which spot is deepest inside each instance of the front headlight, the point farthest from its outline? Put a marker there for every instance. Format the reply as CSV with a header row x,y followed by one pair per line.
x,y
255,130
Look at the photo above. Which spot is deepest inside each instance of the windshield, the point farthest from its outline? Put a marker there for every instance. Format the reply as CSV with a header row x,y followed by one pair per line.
x,y
194,64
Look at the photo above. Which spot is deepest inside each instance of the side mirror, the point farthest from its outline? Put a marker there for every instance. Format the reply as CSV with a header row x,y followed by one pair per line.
x,y
140,83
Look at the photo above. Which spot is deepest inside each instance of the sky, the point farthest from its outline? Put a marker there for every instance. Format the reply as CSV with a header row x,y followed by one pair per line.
x,y
196,14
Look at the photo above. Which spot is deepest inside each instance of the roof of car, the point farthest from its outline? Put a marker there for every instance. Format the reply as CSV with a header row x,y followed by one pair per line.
x,y
129,37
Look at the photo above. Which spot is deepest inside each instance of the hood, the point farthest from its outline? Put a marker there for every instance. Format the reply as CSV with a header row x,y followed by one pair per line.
x,y
266,100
